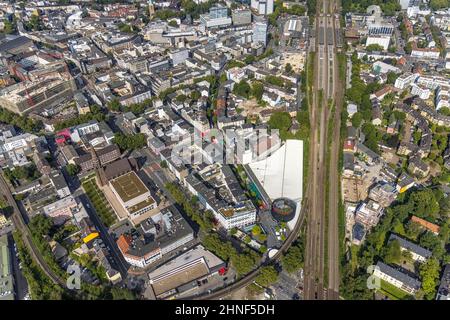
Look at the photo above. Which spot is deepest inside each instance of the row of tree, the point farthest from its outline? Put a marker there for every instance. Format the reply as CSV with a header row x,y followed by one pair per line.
x,y
130,142
244,261
22,122
203,219
96,113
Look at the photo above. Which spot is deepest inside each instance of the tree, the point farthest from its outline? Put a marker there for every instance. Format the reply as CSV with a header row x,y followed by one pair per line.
x,y
253,289
114,105
439,4
173,23
72,169
357,119
391,77
429,241
445,111
288,68
296,10
280,120
9,27
122,294
413,230
267,276
40,225
242,89
262,237
249,59
374,47
292,261
181,98
126,28
424,204
429,273
130,142
393,252
35,23
195,95
408,47
257,90
256,230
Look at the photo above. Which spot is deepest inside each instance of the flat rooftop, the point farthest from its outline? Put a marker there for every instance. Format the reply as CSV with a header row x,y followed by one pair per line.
x,y
129,186
183,269
191,273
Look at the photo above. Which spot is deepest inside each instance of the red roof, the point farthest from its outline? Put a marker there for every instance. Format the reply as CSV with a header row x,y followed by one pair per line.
x,y
426,224
124,242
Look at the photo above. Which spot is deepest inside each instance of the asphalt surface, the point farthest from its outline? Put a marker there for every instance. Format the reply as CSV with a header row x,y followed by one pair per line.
x,y
20,283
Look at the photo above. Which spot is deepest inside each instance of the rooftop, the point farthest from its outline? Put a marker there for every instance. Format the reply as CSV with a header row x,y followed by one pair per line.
x,y
189,266
399,275
410,246
129,186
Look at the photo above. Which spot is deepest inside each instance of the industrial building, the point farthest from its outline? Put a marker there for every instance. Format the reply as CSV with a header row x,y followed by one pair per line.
x,y
181,275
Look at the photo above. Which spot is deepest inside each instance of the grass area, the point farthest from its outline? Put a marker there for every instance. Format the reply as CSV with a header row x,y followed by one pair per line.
x,y
101,205
342,65
392,291
354,256
310,71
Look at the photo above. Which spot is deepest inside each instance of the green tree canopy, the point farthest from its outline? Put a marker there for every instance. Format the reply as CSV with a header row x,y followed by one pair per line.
x,y
242,89
429,273
267,276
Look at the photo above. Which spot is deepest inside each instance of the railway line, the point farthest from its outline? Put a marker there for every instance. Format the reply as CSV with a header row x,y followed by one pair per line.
x,y
322,235
20,225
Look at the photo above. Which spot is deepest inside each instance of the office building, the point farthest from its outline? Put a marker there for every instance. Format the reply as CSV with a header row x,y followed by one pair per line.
x,y
241,17
260,32
216,18
264,7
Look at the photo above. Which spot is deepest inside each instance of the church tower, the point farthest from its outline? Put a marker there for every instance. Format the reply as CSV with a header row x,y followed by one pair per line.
x,y
151,8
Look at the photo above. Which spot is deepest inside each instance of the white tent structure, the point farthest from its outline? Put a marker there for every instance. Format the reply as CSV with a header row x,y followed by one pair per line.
x,y
281,174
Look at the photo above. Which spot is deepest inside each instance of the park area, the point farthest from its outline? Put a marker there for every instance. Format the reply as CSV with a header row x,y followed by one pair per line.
x,y
392,292
101,205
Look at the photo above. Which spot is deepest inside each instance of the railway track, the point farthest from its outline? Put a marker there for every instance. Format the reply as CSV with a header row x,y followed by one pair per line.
x,y
20,225
322,232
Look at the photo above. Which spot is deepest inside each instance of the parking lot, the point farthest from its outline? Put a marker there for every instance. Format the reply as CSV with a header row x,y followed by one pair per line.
x,y
287,286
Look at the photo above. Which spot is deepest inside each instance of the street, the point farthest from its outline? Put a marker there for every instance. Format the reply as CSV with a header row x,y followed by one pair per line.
x,y
20,283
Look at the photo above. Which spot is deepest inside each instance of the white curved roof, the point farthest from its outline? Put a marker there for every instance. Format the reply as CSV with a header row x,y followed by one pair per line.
x,y
281,174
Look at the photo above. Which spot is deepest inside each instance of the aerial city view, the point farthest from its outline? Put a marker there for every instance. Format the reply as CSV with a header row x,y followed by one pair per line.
x,y
225,150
